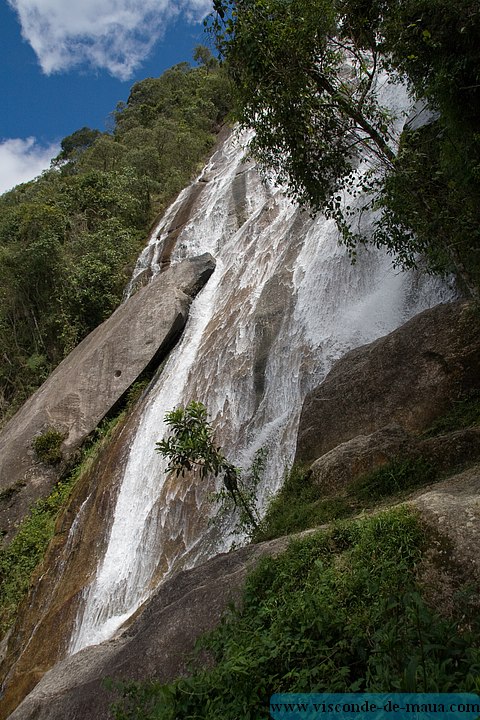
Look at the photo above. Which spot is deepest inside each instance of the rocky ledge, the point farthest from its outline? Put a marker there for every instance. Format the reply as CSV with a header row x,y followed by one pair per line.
x,y
88,383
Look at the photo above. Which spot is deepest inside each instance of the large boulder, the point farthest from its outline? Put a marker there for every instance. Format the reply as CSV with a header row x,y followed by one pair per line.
x,y
335,471
450,511
157,644
407,379
88,383
338,468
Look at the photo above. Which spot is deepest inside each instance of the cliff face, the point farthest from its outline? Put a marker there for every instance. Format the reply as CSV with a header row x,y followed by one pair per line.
x,y
283,305
443,361
406,379
86,385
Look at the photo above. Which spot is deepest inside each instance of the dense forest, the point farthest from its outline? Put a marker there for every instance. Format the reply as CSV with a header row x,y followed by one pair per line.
x,y
68,240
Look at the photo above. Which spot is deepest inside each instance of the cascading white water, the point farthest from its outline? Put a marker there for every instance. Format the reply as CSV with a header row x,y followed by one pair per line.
x,y
282,305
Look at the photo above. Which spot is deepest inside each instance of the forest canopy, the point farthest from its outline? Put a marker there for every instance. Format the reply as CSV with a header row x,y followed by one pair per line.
x,y
68,240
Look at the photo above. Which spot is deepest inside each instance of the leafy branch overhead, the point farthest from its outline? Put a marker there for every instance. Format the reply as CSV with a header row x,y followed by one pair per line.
x,y
307,88
307,75
191,446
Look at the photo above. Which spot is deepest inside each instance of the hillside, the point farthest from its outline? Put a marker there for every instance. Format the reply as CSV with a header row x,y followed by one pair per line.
x,y
312,279
69,240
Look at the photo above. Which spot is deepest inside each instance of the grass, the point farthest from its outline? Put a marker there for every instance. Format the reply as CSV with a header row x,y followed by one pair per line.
x,y
464,412
300,505
19,560
393,478
339,611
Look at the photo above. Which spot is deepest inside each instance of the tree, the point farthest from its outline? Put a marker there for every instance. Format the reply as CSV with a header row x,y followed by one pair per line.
x,y
306,77
191,446
74,145
203,56
431,199
307,88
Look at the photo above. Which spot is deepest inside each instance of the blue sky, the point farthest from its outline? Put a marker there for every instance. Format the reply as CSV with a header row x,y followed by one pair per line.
x,y
63,67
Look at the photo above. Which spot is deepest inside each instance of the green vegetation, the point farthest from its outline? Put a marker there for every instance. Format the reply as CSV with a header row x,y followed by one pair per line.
x,y
47,446
301,504
20,559
191,446
392,478
68,240
339,611
315,121
465,412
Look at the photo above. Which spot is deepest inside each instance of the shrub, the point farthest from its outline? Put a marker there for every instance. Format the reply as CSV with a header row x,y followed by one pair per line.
x,y
191,446
48,445
339,611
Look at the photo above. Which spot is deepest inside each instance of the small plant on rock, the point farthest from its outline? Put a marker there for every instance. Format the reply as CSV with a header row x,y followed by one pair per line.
x,y
47,446
191,446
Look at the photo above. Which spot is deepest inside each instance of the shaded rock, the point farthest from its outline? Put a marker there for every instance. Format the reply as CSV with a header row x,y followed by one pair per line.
x,y
86,385
451,509
452,450
337,469
156,645
407,378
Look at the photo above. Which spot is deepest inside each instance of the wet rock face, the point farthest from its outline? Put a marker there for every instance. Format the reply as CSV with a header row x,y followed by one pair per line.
x,y
406,379
156,645
86,385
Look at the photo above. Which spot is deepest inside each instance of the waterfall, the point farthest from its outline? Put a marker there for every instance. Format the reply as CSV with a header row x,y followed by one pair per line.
x,y
283,304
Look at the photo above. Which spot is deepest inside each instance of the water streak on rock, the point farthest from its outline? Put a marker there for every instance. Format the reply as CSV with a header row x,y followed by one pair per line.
x,y
282,305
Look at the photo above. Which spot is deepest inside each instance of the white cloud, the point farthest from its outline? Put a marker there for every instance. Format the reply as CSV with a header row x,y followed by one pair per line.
x,y
116,35
22,160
